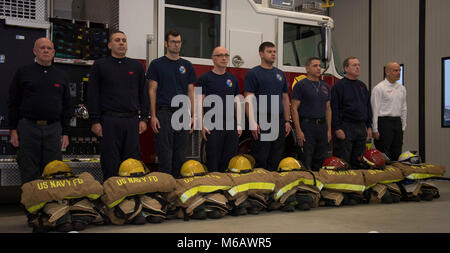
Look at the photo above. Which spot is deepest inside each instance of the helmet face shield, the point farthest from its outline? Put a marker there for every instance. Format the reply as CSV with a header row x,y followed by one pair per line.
x,y
415,160
374,159
410,157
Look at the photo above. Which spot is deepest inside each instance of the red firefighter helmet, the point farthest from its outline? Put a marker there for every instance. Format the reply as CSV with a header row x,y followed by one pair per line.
x,y
374,159
335,163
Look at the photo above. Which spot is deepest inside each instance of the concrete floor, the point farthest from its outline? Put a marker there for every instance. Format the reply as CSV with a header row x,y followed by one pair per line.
x,y
404,217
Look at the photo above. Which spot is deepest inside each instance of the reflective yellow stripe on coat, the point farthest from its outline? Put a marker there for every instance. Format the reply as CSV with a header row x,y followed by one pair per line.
x,y
201,189
348,187
251,186
288,187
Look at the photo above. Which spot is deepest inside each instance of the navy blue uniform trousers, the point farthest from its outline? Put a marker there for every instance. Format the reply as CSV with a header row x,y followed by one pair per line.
x,y
354,145
170,145
268,154
221,146
38,145
120,141
315,149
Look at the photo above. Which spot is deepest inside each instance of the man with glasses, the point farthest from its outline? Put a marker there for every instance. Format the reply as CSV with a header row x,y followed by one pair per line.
x,y
221,144
169,76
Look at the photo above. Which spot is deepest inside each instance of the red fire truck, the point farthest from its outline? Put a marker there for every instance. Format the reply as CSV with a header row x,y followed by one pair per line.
x,y
241,26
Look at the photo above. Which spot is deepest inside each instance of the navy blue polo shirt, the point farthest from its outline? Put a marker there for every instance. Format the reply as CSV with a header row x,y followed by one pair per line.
x,y
261,81
220,85
173,78
313,97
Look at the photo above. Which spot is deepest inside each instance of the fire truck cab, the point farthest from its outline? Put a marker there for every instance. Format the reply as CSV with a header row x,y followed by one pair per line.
x,y
241,26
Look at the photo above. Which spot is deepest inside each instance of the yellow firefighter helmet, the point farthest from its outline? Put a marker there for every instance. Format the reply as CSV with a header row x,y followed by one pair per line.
x,y
239,164
56,167
132,168
251,159
192,168
289,164
410,157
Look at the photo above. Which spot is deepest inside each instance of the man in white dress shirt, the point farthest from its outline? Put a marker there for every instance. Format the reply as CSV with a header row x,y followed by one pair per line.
x,y
389,112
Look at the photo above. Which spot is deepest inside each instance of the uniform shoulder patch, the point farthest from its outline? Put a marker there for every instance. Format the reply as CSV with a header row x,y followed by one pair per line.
x,y
297,80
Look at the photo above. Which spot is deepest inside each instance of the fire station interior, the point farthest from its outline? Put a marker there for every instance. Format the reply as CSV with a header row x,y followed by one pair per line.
x,y
413,33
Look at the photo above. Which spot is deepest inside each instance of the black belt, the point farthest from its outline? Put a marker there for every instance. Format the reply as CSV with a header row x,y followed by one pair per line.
x,y
314,121
42,122
167,108
389,117
121,114
354,121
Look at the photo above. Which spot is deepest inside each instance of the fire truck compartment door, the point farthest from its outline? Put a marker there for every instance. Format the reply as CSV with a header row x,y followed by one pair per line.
x,y
245,45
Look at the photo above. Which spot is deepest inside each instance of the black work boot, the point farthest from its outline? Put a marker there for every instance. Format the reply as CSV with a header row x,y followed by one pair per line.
x,y
214,214
138,220
154,219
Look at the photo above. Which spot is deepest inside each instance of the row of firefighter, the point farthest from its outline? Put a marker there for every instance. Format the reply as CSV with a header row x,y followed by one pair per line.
x,y
61,201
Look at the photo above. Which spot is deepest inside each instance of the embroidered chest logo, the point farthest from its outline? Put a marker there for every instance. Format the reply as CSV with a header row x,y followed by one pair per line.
x,y
279,77
229,83
325,90
182,70
131,73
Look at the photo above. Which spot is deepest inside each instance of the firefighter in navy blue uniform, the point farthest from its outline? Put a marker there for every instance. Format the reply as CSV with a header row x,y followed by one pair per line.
x,y
118,104
352,114
311,114
39,112
266,80
168,77
221,144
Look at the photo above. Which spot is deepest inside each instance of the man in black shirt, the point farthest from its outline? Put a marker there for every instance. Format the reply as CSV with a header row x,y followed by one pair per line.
x,y
311,114
39,112
118,105
352,114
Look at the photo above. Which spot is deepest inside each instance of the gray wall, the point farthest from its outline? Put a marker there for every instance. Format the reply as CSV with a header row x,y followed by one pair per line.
x,y
437,46
351,32
395,37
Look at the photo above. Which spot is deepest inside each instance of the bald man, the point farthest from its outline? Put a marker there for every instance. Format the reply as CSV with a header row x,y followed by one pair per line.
x,y
39,112
221,143
389,112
